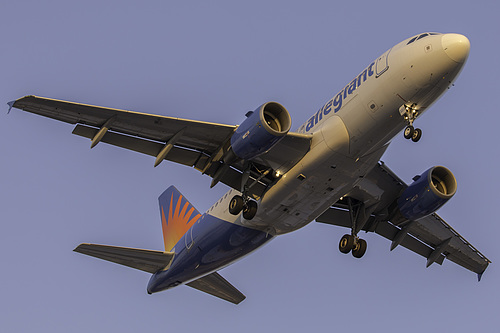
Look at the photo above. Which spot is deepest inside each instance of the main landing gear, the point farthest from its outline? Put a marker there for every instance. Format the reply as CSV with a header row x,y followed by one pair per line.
x,y
411,114
358,215
352,243
239,203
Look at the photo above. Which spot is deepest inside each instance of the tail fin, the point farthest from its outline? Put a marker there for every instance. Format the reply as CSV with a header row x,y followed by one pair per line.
x,y
177,216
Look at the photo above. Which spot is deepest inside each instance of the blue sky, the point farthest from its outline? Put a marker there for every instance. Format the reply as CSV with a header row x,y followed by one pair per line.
x,y
214,61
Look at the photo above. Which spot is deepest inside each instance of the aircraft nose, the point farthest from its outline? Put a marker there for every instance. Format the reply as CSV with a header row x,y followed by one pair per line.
x,y
456,46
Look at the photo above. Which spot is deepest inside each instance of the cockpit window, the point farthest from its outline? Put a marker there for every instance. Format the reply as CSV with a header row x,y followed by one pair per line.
x,y
412,40
422,36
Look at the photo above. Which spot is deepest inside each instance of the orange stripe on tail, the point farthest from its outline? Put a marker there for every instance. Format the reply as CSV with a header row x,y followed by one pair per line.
x,y
179,220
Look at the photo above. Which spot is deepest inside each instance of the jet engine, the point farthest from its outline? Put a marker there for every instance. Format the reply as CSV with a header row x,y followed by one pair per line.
x,y
431,190
262,129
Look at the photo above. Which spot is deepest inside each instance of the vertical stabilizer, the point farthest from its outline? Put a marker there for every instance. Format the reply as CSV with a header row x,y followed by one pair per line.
x,y
177,216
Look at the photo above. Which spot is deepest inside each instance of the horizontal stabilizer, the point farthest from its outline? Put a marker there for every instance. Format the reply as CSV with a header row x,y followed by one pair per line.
x,y
215,285
144,260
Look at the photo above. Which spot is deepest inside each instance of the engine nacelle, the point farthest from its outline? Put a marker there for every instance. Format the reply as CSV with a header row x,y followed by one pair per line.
x,y
431,190
262,129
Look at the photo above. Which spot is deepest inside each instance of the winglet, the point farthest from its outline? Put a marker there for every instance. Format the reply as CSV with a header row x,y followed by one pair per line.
x,y
11,105
479,276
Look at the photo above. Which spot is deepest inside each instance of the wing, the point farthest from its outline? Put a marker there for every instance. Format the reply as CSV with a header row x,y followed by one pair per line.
x,y
431,237
144,260
199,144
217,286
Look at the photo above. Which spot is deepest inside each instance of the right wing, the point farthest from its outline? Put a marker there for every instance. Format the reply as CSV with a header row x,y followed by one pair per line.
x,y
430,237
215,285
199,144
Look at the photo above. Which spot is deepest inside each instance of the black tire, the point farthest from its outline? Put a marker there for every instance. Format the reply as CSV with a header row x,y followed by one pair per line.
x,y
408,133
346,243
417,134
359,249
236,205
250,210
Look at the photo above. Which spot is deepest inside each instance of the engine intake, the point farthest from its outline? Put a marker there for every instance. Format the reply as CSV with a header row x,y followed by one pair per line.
x,y
429,192
262,129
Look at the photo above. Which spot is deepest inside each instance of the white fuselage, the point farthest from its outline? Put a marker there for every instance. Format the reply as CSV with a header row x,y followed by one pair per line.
x,y
351,131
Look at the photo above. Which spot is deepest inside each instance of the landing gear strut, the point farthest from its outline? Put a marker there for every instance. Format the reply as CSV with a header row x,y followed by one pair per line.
x,y
243,202
358,214
411,113
238,203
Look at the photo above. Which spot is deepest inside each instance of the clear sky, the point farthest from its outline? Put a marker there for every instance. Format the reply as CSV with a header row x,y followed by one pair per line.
x,y
214,61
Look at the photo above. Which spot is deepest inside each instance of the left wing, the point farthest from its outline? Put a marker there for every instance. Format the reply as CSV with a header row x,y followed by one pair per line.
x,y
431,236
199,144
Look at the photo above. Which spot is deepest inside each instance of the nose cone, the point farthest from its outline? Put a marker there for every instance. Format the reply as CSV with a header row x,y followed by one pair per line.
x,y
456,46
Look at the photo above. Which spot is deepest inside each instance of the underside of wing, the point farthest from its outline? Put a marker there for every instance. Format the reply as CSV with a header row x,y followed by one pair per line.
x,y
197,134
430,236
144,260
198,144
215,285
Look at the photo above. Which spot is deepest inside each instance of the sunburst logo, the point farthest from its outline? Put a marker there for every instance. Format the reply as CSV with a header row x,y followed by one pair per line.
x,y
178,222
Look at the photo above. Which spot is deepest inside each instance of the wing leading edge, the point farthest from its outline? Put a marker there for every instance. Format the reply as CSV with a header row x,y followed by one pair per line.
x,y
201,145
430,237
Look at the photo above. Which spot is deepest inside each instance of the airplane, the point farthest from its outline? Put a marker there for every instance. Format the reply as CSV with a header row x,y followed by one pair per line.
x,y
329,171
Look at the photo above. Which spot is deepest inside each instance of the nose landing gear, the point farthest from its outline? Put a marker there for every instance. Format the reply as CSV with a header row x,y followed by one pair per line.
x,y
411,113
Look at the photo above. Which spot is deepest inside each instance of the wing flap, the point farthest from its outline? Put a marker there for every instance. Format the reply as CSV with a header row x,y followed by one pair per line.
x,y
198,134
389,231
458,250
215,285
177,154
144,260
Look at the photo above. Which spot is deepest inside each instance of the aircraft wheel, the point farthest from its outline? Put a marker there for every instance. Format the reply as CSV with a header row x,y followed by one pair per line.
x,y
346,243
408,133
359,249
250,210
236,205
417,134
